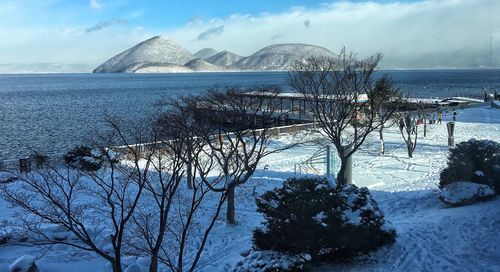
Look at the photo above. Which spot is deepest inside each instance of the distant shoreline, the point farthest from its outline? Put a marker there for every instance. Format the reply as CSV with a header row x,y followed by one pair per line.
x,y
245,71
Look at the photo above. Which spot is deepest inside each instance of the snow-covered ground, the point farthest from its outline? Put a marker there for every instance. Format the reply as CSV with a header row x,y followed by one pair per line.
x,y
431,236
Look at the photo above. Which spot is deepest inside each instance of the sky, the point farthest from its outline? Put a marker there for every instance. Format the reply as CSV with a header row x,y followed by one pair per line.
x,y
410,34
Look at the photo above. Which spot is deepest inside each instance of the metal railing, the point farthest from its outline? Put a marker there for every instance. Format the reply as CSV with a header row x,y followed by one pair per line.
x,y
323,161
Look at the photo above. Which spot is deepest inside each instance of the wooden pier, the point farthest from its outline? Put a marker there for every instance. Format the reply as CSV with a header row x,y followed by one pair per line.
x,y
292,107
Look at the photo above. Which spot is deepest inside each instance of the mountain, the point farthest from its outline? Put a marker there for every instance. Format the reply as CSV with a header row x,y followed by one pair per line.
x,y
163,68
281,57
224,58
205,53
157,50
160,55
199,65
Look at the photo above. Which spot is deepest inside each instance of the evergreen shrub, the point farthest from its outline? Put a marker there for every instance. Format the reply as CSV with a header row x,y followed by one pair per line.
x,y
475,161
307,216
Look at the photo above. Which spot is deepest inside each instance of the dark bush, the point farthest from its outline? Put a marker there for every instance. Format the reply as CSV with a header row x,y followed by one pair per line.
x,y
40,160
476,161
307,216
84,158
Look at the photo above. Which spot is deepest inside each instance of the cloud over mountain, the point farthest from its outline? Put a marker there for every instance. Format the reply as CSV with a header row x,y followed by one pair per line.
x,y
212,32
101,25
416,34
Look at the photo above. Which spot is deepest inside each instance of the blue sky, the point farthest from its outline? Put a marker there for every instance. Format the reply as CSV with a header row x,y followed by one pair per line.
x,y
419,33
175,13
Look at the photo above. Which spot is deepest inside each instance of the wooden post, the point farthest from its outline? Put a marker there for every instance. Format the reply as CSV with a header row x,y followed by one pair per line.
x,y
300,110
304,104
425,127
24,165
451,128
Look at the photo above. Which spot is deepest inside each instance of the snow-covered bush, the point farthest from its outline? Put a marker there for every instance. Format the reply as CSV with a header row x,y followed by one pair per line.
x,y
271,261
476,161
84,158
25,263
462,193
307,216
88,159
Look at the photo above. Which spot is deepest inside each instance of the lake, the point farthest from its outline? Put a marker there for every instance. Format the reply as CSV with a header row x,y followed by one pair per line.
x,y
54,112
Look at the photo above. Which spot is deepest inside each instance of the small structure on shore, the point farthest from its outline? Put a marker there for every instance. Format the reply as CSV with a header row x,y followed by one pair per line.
x,y
292,108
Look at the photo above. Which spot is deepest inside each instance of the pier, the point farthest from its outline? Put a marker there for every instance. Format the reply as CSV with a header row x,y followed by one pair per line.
x,y
291,108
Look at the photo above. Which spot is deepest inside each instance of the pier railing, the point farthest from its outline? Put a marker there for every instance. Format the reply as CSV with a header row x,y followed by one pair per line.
x,y
25,164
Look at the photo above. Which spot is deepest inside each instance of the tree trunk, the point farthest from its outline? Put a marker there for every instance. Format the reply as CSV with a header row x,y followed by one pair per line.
x,y
409,146
117,266
382,143
153,267
341,173
230,206
189,175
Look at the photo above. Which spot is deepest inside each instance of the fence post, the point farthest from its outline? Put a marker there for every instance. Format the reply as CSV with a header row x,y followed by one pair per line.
x,y
451,127
425,126
24,165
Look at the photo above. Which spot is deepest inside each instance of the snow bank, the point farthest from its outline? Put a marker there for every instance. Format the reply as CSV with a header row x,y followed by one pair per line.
x,y
25,263
464,192
268,260
133,268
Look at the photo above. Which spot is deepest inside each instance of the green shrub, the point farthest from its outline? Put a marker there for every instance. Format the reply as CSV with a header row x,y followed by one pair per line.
x,y
307,216
475,161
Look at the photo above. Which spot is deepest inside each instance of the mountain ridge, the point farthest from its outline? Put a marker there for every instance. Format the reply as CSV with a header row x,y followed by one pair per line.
x,y
205,53
159,55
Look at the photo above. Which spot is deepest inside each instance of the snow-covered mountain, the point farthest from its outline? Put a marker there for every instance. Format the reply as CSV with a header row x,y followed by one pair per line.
x,y
199,65
224,58
163,68
205,53
160,55
156,51
281,57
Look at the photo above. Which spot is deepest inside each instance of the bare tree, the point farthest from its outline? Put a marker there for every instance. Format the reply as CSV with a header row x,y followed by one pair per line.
x,y
165,223
387,100
340,94
179,123
408,122
139,199
237,127
84,201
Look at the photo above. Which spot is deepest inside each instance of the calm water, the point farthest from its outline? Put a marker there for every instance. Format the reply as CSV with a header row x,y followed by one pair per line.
x,y
55,112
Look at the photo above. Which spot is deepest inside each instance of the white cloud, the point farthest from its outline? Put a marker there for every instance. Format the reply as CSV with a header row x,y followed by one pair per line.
x,y
432,33
66,44
95,4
